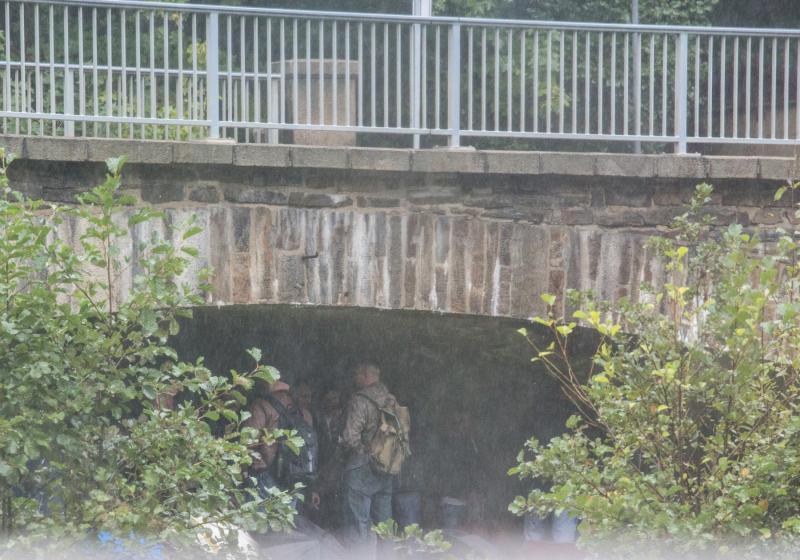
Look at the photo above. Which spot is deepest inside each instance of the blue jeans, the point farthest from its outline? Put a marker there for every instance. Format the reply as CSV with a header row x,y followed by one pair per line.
x,y
367,501
563,528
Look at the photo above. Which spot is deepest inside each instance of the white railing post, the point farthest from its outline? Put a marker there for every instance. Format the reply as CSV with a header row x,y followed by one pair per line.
x,y
681,91
422,8
212,74
454,85
69,101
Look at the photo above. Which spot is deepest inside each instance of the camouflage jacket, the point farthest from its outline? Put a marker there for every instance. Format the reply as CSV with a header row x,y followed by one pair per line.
x,y
362,423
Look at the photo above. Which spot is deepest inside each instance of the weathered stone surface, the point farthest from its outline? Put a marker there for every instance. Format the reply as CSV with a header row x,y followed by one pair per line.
x,y
256,195
57,149
576,216
626,165
205,195
557,163
618,218
515,213
736,167
319,156
137,151
291,279
768,216
674,166
261,156
160,194
375,159
13,145
448,161
628,195
203,152
377,202
319,200
778,169
526,163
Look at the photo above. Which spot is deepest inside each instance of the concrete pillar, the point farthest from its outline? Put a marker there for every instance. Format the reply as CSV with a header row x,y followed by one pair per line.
x,y
337,86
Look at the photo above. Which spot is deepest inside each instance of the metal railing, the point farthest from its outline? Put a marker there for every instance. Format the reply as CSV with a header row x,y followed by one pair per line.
x,y
171,71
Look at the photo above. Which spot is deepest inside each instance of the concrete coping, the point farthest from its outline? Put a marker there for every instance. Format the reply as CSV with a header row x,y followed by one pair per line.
x,y
669,166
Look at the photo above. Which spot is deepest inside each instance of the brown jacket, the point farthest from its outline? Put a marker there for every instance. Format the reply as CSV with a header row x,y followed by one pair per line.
x,y
263,416
362,423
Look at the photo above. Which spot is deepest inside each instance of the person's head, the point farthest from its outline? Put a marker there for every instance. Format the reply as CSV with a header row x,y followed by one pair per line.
x,y
366,374
332,402
303,395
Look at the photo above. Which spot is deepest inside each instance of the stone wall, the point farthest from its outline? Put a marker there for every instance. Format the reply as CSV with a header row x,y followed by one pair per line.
x,y
462,232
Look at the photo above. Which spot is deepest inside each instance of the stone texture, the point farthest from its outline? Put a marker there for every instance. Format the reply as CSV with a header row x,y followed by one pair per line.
x,y
256,195
557,163
319,200
689,167
137,151
778,169
319,156
57,149
203,152
161,194
448,161
737,167
378,202
261,156
380,159
628,195
626,165
526,163
205,195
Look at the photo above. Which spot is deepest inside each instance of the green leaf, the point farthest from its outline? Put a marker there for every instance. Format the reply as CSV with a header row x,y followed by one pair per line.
x,y
255,353
780,192
549,299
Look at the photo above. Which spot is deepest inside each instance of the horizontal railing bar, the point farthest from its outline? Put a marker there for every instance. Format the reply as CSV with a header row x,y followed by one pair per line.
x,y
436,20
87,68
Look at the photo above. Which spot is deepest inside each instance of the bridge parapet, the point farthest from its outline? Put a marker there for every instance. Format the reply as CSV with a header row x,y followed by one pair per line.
x,y
466,232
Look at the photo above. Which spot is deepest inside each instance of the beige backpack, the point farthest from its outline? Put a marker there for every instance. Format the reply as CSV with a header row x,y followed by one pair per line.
x,y
390,447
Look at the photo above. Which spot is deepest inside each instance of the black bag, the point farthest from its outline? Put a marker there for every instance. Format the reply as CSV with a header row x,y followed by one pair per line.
x,y
291,467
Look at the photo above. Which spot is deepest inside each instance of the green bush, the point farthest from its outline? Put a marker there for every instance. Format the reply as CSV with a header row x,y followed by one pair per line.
x,y
90,439
687,425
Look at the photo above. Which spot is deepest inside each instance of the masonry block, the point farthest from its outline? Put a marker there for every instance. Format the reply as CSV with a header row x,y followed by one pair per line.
x,y
626,165
374,159
513,163
255,195
57,149
137,151
557,163
448,161
319,156
261,155
203,152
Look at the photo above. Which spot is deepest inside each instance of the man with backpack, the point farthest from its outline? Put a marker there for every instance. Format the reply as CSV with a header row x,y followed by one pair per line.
x,y
375,439
277,465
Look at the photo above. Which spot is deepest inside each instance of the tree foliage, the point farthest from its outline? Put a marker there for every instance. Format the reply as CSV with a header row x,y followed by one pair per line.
x,y
687,428
102,427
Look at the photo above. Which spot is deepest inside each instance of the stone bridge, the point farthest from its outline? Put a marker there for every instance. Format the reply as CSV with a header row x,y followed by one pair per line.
x,y
474,232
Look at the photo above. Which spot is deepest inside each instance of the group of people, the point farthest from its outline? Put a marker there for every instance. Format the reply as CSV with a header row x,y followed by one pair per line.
x,y
343,491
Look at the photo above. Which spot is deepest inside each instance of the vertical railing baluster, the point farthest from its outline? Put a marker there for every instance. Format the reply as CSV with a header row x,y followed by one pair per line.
x,y
37,68
735,122
561,72
483,79
535,95
748,87
774,89
212,73
722,84
399,76
523,63
509,81
600,83
786,89
321,64
497,42
587,84
613,84
681,91
761,88
454,85
549,88
69,101
625,84
574,82
664,79
470,72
